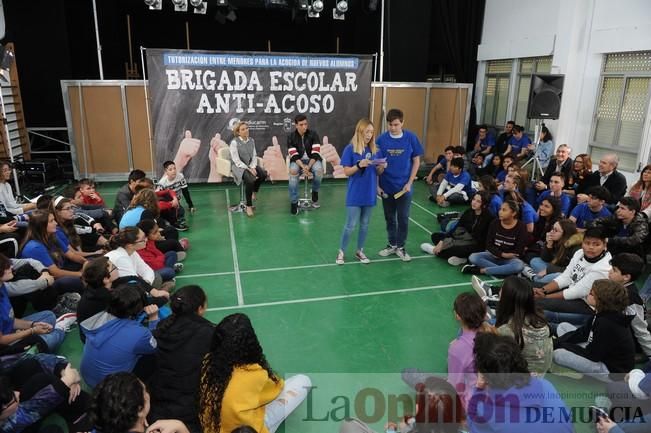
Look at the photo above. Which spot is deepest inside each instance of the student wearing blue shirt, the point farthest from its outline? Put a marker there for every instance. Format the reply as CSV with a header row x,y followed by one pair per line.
x,y
594,208
518,143
403,151
487,183
455,187
361,194
528,214
437,172
556,184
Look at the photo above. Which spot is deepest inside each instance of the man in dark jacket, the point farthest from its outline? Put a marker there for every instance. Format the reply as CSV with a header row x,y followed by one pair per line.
x,y
126,193
304,150
628,228
561,164
608,177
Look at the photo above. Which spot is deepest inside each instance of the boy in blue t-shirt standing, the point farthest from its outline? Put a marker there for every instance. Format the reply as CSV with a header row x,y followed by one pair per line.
x,y
455,187
402,150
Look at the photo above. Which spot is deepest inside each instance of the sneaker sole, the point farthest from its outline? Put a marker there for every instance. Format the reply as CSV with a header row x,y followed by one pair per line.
x,y
477,285
458,261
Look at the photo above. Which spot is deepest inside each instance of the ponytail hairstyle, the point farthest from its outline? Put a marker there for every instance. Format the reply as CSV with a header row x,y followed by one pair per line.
x,y
126,236
184,302
68,226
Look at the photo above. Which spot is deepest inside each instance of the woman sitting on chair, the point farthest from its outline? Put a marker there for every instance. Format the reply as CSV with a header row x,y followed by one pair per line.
x,y
244,164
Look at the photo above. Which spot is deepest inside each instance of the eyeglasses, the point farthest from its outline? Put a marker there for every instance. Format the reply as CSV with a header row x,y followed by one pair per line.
x,y
112,268
67,208
139,241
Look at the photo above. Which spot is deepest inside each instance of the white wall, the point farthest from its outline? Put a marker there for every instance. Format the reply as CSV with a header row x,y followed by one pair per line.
x,y
576,33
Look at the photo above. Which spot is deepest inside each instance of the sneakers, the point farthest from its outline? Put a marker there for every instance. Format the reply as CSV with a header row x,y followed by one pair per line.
x,y
484,290
178,267
447,215
428,248
340,258
362,257
400,252
67,303
185,243
315,205
387,251
528,272
65,321
180,226
444,203
471,269
180,256
293,209
457,261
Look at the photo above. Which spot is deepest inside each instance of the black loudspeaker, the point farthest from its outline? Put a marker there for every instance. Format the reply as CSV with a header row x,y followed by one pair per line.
x,y
545,96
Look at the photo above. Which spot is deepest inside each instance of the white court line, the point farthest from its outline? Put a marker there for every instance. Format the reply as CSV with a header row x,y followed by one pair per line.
x,y
290,268
338,297
236,265
428,231
423,208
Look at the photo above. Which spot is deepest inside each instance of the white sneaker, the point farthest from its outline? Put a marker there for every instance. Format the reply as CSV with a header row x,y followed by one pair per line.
x,y
340,258
65,321
362,257
457,261
387,251
528,272
428,248
478,285
400,252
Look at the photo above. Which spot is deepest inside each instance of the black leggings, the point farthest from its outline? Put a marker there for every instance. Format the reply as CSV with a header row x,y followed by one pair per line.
x,y
252,183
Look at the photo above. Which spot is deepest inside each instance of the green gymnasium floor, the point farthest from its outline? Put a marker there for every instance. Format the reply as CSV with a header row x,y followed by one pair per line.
x,y
348,327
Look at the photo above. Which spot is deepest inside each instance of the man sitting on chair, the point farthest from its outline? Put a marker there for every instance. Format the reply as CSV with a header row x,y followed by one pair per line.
x,y
304,150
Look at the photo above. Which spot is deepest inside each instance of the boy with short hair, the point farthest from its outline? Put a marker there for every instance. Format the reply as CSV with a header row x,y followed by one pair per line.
x,y
592,209
126,193
626,268
174,180
455,187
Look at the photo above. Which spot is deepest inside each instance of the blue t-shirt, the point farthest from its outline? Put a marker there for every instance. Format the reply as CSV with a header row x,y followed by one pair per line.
x,y
495,205
529,214
517,145
463,177
6,312
38,251
399,153
131,218
584,215
501,176
362,185
488,141
443,162
566,201
63,240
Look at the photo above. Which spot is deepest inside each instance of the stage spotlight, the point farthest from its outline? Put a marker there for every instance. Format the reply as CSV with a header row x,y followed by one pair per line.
x,y
200,6
231,16
372,5
339,12
180,5
154,4
222,2
315,9
6,62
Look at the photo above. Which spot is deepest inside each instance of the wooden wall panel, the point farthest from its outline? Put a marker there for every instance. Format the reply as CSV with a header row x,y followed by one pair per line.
x,y
412,102
138,128
446,120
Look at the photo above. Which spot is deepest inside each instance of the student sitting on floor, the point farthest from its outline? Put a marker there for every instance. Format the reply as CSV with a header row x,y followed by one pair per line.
x,y
560,244
166,265
584,213
98,275
503,378
505,243
556,183
517,316
604,345
455,187
468,235
629,228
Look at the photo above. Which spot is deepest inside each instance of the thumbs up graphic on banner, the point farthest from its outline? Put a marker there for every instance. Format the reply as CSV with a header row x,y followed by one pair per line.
x,y
188,148
274,161
216,143
330,154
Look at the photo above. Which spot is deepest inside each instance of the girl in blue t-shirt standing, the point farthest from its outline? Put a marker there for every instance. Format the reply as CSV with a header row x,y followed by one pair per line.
x,y
362,166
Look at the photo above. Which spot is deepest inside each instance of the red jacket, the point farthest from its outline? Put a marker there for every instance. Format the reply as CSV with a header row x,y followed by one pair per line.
x,y
152,255
165,198
90,200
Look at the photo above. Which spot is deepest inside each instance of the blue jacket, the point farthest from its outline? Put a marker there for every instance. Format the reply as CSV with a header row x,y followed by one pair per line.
x,y
113,345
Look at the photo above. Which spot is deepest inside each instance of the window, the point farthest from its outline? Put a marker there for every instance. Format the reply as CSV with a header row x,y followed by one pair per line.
x,y
621,108
496,93
528,67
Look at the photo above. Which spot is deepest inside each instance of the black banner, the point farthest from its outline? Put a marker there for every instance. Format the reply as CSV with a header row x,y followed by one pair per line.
x,y
197,97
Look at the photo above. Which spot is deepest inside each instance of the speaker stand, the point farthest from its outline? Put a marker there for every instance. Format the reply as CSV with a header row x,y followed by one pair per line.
x,y
536,167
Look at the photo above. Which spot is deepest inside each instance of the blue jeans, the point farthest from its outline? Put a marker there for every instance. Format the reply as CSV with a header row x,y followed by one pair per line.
x,y
54,339
495,266
295,173
538,264
167,273
396,214
645,292
354,214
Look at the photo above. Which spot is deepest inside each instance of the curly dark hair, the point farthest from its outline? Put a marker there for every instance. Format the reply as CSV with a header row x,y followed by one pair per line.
x,y
609,296
234,344
500,361
117,401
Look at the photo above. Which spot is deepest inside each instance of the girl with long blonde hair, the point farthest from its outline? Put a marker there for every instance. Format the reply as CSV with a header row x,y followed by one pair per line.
x,y
362,165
